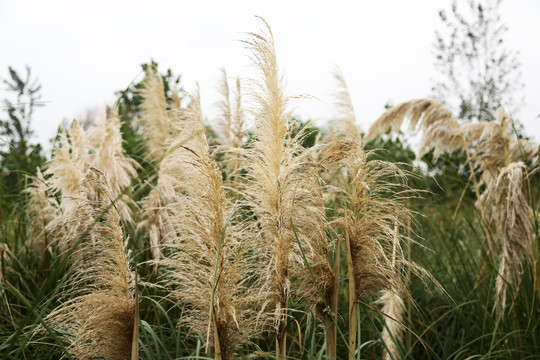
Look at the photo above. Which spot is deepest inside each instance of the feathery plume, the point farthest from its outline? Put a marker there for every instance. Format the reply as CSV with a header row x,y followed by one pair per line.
x,y
440,129
66,169
283,187
154,113
157,212
224,105
44,209
346,118
514,225
394,307
97,306
110,158
207,232
370,223
376,205
95,133
78,143
231,122
497,145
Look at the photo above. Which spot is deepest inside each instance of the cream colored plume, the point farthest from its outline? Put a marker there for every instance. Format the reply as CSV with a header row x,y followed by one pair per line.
x,y
110,158
439,127
394,307
205,263
374,193
79,146
346,119
97,307
231,122
157,205
154,114
97,130
512,215
66,167
497,145
283,187
44,209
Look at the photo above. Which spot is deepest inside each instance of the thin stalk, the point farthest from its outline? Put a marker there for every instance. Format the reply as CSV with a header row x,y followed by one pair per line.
x,y
217,345
281,336
353,321
408,300
358,332
462,196
329,324
212,317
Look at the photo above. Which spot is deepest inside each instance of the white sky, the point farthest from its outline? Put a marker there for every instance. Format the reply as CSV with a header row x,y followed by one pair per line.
x,y
83,52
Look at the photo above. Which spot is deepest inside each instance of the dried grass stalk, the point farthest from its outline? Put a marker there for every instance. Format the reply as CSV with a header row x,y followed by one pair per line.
x,y
3,261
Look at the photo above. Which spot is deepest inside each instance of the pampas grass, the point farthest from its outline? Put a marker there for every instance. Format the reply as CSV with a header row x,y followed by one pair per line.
x,y
345,120
44,209
119,169
497,145
66,169
393,308
231,123
512,215
374,207
283,186
206,264
496,150
154,117
97,308
240,231
440,128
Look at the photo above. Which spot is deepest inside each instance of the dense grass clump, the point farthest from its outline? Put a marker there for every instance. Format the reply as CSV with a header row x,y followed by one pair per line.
x,y
148,234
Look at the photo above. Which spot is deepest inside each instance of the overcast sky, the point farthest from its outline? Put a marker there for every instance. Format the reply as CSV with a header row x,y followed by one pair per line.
x,y
83,52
